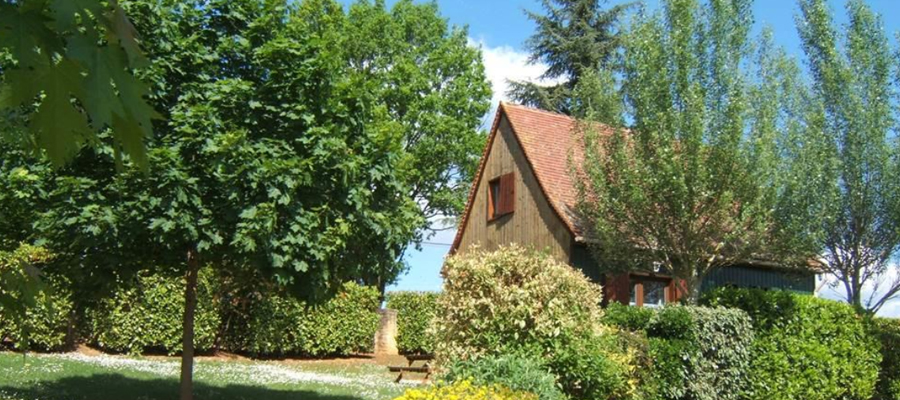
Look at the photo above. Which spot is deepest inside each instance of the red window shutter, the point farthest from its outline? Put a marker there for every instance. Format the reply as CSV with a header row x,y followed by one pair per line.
x,y
507,193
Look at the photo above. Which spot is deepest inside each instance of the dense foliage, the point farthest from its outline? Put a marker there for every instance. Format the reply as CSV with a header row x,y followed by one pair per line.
x,y
20,281
465,390
146,315
804,347
415,314
52,53
47,321
695,352
273,323
690,186
515,371
887,331
298,140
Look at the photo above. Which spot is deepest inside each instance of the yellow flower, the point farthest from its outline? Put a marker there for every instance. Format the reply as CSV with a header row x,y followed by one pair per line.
x,y
465,390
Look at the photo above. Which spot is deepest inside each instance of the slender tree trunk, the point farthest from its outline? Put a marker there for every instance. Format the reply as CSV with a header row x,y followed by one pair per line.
x,y
187,339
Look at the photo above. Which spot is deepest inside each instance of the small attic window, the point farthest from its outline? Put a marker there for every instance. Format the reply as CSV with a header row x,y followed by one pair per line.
x,y
501,196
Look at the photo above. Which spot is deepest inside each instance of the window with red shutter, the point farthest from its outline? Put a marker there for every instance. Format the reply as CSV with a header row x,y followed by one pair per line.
x,y
501,196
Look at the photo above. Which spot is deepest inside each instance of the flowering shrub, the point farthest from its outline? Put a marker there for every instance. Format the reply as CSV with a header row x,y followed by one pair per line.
x,y
511,297
514,301
465,390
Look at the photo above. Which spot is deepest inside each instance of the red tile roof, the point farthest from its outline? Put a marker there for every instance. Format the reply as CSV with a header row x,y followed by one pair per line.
x,y
549,141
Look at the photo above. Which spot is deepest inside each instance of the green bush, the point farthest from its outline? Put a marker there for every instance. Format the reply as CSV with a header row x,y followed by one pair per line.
x,y
511,298
512,301
887,331
343,325
415,313
629,318
593,368
695,352
46,323
277,324
805,348
518,372
147,315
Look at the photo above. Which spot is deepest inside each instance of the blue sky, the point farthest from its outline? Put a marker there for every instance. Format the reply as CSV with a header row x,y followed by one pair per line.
x,y
500,28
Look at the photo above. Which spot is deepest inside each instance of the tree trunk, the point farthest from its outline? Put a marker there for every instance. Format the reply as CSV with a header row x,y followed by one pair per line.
x,y
691,289
187,339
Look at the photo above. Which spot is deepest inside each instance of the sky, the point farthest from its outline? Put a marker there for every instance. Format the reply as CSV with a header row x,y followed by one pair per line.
x,y
500,28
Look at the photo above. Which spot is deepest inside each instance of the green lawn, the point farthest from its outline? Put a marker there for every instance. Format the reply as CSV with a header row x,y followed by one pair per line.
x,y
74,376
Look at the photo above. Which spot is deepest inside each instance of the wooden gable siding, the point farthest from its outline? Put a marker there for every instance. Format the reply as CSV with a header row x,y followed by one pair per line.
x,y
533,223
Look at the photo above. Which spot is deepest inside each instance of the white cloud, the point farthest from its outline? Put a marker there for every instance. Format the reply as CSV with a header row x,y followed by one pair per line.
x,y
505,63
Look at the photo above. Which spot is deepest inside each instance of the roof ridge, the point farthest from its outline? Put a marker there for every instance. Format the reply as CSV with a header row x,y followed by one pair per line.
x,y
538,110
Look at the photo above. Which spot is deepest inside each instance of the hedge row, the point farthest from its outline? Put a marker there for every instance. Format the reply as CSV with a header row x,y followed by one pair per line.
x,y
695,352
887,331
46,324
805,348
147,314
415,314
276,324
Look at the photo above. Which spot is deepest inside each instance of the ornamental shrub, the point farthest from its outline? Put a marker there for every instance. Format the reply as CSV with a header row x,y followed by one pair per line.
x,y
147,315
46,323
276,324
415,313
513,301
887,331
805,348
519,372
511,298
465,390
694,352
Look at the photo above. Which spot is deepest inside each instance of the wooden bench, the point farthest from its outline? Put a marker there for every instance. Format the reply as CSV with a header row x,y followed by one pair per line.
x,y
423,369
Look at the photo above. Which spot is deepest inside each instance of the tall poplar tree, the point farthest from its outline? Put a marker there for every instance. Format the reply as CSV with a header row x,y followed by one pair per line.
x,y
688,185
845,200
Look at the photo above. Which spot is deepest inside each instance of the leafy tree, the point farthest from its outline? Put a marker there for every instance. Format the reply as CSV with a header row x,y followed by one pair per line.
x,y
844,202
688,186
574,37
67,75
286,150
434,90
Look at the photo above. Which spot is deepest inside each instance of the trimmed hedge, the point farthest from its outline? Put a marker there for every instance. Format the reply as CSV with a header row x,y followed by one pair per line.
x,y
47,323
887,331
805,348
147,315
415,314
695,352
275,324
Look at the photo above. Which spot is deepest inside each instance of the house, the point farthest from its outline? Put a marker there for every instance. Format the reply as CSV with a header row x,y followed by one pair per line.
x,y
523,193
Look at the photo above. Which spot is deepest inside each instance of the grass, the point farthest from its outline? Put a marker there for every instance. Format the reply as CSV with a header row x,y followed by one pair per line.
x,y
74,376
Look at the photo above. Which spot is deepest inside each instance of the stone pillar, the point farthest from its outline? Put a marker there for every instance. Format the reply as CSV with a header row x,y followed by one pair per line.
x,y
386,336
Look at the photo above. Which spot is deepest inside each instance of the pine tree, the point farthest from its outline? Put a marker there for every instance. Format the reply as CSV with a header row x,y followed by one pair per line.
x,y
573,38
